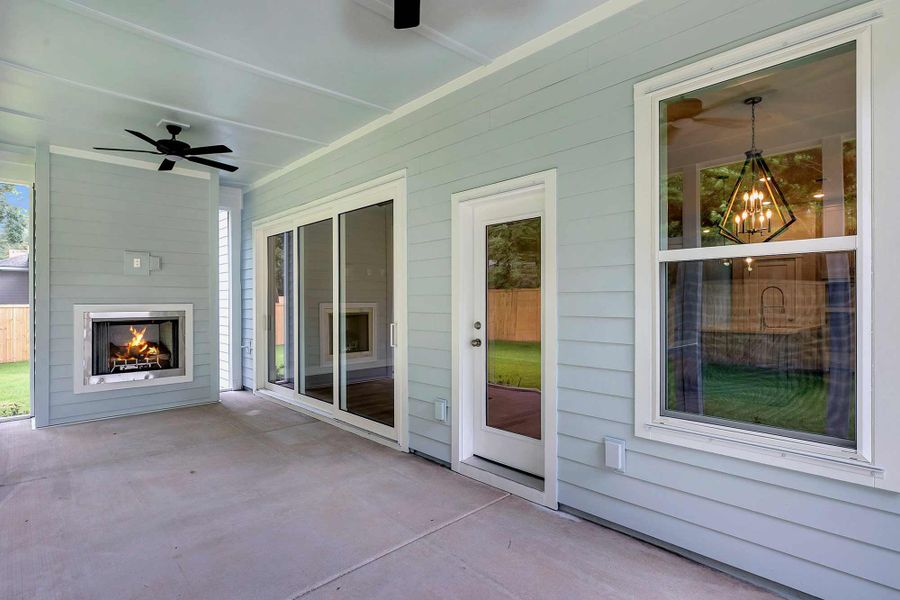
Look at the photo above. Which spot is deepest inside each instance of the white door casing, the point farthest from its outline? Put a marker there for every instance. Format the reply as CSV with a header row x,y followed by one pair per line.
x,y
465,410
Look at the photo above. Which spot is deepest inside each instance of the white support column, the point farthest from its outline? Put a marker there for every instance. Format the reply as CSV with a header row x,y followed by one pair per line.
x,y
40,300
213,240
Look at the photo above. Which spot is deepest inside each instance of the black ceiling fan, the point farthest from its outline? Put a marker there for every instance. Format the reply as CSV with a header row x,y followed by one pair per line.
x,y
406,14
175,150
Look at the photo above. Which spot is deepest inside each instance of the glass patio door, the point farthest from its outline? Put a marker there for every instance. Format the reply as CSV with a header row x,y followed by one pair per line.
x,y
330,296
280,310
506,346
366,329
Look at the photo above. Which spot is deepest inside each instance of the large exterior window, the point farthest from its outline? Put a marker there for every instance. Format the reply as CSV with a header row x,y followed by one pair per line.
x,y
762,342
752,252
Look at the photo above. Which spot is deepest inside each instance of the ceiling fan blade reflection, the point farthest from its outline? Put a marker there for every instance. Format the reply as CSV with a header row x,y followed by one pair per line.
x,y
146,138
166,165
722,122
406,14
212,163
127,150
217,149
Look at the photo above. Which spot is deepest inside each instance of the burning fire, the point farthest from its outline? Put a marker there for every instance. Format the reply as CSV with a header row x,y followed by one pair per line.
x,y
137,347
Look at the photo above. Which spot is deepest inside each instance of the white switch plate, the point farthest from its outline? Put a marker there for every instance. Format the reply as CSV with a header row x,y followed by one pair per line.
x,y
137,263
614,451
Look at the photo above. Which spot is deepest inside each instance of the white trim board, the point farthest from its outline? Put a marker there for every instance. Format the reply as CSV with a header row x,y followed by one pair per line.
x,y
125,162
461,439
592,17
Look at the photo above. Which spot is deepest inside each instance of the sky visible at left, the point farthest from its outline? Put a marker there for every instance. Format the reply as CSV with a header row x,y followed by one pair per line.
x,y
21,197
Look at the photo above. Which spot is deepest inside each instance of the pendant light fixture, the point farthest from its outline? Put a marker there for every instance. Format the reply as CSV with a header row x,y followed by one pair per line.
x,y
757,210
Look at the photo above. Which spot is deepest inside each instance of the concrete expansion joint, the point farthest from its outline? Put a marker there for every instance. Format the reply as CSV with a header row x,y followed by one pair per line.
x,y
395,548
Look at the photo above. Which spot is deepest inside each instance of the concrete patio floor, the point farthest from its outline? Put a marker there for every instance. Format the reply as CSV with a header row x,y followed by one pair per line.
x,y
247,499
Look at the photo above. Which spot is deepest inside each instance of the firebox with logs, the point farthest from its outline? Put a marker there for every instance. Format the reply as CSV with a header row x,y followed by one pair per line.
x,y
123,346
134,346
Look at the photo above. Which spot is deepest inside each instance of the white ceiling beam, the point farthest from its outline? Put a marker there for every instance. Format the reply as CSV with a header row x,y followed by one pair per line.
x,y
162,38
4,110
127,162
387,11
149,102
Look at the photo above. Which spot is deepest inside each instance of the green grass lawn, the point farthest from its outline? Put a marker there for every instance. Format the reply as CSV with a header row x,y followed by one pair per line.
x,y
516,364
763,396
279,359
14,389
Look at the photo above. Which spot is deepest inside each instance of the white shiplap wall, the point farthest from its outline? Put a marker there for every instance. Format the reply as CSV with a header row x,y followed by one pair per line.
x,y
570,107
98,210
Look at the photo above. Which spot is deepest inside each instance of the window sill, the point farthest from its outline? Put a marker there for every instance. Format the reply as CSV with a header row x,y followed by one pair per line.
x,y
807,457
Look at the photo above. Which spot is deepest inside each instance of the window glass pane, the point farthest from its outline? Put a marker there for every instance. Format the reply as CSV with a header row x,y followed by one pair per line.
x,y
365,354
767,343
281,309
513,274
799,159
317,367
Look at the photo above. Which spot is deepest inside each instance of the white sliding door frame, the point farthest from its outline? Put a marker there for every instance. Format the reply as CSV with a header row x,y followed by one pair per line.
x,y
389,188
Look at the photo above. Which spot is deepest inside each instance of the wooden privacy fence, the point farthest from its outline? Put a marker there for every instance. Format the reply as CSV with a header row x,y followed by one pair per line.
x,y
13,333
514,315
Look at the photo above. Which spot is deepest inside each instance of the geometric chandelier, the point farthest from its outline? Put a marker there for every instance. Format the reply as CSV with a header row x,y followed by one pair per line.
x,y
757,211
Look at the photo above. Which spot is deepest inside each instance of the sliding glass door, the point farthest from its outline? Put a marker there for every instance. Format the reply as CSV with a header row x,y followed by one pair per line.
x,y
329,296
366,320
280,305
315,289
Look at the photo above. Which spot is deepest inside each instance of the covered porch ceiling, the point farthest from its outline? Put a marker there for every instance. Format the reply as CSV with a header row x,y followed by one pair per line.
x,y
274,81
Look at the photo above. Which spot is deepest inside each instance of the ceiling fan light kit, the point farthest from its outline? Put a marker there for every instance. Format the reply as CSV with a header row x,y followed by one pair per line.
x,y
175,150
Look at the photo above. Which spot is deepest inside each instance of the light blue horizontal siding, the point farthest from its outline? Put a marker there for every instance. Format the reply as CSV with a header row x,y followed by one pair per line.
x,y
98,210
569,107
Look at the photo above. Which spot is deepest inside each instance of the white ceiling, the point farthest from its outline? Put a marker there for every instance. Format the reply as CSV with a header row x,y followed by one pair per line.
x,y
272,79
802,102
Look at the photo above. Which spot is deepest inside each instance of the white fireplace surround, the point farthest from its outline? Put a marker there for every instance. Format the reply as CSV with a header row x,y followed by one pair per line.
x,y
84,314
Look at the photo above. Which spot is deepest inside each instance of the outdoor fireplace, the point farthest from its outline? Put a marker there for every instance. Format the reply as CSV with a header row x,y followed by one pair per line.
x,y
129,346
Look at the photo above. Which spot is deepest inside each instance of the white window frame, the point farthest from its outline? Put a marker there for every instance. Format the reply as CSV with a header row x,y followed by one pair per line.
x,y
849,464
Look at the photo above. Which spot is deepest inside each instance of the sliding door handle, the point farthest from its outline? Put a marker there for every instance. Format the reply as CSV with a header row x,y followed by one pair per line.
x,y
393,335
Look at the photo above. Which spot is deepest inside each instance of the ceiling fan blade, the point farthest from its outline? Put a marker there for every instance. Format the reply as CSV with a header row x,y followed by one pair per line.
x,y
406,14
212,163
142,136
127,150
166,165
217,149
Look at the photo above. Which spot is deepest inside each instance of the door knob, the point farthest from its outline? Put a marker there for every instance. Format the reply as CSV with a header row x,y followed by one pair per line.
x,y
476,343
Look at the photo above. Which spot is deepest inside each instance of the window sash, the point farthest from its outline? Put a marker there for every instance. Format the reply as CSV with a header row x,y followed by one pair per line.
x,y
826,244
